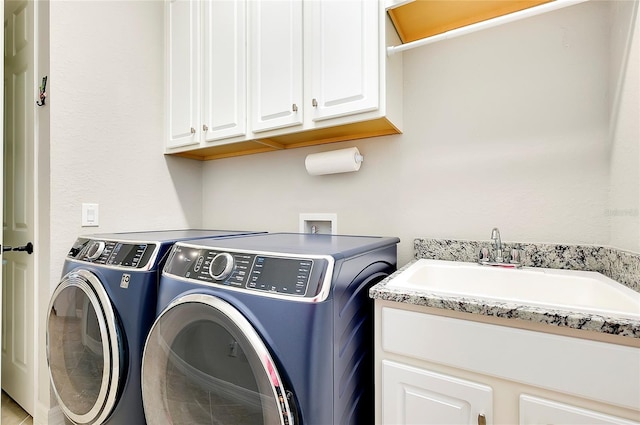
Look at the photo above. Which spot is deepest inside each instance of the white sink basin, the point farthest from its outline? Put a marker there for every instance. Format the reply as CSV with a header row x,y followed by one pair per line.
x,y
571,290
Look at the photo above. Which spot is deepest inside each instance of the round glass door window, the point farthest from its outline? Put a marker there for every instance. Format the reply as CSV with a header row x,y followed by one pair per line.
x,y
205,364
83,348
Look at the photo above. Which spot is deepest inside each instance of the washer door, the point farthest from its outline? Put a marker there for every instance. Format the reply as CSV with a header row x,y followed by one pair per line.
x,y
204,363
84,348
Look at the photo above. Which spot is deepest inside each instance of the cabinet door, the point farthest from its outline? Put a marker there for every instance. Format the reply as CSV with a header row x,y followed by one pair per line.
x,y
275,64
224,72
183,101
416,396
344,57
534,411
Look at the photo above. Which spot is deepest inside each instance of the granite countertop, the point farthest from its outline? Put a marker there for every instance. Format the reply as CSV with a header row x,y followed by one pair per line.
x,y
619,326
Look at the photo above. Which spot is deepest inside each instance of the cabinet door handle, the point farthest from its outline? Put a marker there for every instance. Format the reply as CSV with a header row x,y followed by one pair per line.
x,y
482,420
314,103
193,130
204,127
294,108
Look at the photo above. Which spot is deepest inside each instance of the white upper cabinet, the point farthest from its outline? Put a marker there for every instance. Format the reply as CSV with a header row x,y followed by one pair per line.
x,y
206,70
341,61
252,76
224,69
344,66
275,64
183,40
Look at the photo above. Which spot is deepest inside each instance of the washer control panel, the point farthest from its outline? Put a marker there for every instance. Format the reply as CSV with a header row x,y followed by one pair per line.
x,y
112,253
276,274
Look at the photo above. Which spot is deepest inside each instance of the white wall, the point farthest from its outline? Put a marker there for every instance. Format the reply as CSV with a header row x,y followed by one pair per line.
x,y
624,206
506,127
106,95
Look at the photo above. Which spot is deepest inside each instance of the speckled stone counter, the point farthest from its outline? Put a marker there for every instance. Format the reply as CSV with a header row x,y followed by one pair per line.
x,y
621,266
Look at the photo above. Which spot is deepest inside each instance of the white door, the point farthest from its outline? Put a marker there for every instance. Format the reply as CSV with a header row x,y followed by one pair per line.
x,y
18,367
1,165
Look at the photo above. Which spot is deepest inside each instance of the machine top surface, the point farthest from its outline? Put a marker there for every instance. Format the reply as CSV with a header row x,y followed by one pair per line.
x,y
337,246
166,235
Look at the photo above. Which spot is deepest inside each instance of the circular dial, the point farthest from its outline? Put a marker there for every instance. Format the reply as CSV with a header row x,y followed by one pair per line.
x,y
221,266
95,250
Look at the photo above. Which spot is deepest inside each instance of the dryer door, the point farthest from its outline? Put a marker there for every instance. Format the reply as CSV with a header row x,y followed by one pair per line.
x,y
204,363
84,348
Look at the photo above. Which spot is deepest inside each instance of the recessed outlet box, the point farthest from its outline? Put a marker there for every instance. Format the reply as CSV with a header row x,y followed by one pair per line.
x,y
90,216
323,223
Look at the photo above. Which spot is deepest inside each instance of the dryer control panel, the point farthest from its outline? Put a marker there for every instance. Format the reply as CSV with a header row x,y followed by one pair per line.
x,y
276,274
112,253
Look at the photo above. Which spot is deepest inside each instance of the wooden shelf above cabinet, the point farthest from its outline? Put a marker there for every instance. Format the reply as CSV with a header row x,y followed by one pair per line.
x,y
353,131
424,18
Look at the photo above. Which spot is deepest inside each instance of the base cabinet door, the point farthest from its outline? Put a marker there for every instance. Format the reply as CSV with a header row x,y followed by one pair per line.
x,y
535,410
412,395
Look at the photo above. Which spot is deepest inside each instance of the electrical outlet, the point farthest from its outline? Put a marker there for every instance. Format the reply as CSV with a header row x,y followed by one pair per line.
x,y
323,223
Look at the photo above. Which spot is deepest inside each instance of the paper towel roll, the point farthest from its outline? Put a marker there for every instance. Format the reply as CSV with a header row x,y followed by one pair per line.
x,y
339,161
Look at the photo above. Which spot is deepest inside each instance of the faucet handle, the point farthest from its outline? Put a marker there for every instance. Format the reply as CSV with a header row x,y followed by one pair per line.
x,y
483,255
515,256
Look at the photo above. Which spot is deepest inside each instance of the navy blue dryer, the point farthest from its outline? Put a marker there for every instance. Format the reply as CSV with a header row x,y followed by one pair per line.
x,y
99,317
269,329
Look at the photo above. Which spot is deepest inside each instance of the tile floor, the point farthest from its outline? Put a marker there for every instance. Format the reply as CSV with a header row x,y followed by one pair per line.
x,y
12,413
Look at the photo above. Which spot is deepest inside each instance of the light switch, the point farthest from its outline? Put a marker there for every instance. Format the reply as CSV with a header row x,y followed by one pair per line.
x,y
90,217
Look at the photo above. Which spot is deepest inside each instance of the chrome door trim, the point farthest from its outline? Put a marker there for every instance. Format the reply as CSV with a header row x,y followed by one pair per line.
x,y
91,286
237,318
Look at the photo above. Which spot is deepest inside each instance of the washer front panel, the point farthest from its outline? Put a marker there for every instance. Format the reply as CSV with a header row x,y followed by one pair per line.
x,y
304,278
115,254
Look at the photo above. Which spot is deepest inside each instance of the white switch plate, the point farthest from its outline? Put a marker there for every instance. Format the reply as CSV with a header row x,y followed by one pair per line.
x,y
90,216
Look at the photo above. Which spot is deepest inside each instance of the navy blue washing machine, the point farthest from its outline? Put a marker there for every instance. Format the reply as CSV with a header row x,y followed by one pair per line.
x,y
99,317
268,329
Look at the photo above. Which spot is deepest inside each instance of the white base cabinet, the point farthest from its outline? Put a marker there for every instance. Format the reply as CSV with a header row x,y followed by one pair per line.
x,y
432,369
418,396
534,411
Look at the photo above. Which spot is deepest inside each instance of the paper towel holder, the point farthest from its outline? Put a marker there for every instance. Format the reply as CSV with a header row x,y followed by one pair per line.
x,y
333,162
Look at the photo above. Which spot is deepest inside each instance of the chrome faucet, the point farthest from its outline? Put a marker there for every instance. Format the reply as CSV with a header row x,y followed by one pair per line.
x,y
497,258
497,244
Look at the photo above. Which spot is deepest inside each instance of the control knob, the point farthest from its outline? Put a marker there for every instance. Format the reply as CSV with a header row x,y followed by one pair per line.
x,y
221,266
95,250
